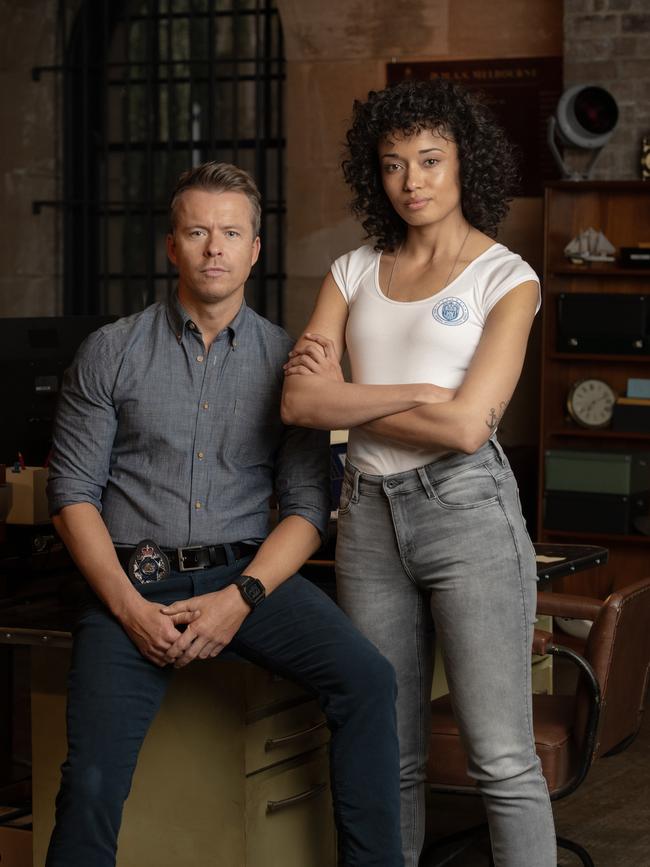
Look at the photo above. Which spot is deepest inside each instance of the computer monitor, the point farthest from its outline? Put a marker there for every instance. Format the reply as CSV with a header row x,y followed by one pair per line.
x,y
34,352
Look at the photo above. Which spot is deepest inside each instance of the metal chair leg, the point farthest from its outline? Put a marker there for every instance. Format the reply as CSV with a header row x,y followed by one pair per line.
x,y
577,849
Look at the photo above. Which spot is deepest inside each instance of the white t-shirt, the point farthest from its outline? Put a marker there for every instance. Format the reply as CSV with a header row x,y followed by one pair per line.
x,y
433,340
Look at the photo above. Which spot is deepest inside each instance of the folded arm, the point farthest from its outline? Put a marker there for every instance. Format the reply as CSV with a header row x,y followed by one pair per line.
x,y
471,417
315,393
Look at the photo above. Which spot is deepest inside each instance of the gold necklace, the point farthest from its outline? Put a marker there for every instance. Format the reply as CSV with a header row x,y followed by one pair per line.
x,y
390,276
451,271
453,267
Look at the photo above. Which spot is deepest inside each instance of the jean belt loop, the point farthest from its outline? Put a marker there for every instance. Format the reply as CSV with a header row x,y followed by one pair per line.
x,y
426,482
497,447
230,555
353,475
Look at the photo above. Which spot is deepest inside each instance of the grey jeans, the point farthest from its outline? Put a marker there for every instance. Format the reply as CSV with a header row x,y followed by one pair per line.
x,y
442,552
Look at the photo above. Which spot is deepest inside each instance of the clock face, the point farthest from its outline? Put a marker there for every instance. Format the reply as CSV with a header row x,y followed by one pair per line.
x,y
591,403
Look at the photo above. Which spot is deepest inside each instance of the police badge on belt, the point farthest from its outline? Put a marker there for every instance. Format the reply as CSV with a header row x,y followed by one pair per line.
x,y
148,563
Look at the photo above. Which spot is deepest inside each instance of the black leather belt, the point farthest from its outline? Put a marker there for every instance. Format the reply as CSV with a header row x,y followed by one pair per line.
x,y
194,557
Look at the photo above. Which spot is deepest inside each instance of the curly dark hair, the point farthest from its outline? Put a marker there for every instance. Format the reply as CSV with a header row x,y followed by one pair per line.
x,y
488,166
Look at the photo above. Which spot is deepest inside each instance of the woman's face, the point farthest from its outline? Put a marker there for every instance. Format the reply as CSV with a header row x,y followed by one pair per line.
x,y
421,176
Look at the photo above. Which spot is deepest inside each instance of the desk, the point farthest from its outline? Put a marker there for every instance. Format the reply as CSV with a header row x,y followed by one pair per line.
x,y
218,757
234,771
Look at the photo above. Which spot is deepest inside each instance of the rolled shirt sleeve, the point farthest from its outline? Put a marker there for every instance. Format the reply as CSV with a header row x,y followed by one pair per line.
x,y
84,428
302,473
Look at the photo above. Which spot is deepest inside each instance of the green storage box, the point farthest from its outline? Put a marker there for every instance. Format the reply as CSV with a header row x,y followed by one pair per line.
x,y
597,472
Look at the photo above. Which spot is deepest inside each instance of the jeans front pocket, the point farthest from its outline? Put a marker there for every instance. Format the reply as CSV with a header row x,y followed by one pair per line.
x,y
469,488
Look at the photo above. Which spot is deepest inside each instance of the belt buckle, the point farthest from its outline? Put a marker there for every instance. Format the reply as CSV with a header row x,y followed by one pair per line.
x,y
180,553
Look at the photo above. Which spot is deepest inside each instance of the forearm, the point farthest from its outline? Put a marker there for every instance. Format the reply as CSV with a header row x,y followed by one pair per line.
x,y
316,402
86,537
455,425
284,551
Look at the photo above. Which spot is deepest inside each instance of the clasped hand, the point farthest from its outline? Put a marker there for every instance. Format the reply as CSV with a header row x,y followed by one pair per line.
x,y
314,354
215,619
210,623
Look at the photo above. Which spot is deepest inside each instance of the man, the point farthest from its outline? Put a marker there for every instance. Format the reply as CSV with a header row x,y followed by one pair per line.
x,y
168,437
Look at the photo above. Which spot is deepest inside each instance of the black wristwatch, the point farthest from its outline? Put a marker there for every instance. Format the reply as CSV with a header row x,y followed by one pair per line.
x,y
251,589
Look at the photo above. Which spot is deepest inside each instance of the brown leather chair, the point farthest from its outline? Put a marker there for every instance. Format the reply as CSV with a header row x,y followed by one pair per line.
x,y
571,731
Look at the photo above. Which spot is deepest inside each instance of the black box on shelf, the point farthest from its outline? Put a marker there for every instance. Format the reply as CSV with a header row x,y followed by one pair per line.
x,y
631,415
597,513
634,257
611,324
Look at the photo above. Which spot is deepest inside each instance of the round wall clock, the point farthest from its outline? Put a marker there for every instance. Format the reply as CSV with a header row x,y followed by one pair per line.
x,y
591,403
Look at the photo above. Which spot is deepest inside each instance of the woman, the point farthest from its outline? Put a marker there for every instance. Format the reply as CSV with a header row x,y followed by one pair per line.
x,y
435,318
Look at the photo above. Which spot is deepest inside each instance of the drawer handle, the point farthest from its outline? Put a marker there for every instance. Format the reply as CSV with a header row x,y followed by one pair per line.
x,y
274,743
276,806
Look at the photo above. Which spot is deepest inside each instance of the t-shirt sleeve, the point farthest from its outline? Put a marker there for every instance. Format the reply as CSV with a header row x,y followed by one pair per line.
x,y
508,273
348,270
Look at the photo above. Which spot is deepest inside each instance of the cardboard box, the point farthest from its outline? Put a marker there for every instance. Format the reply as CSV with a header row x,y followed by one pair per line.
x,y
28,499
15,846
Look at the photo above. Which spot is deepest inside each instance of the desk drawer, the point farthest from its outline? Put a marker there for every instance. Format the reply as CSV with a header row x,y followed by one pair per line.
x,y
279,736
289,819
262,689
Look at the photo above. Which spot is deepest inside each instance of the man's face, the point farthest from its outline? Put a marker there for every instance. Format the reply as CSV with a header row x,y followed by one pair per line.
x,y
213,247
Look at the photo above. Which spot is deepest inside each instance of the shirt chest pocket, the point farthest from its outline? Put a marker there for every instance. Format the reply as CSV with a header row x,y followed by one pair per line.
x,y
256,429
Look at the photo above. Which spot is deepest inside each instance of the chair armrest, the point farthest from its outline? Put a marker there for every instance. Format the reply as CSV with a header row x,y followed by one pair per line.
x,y
566,605
541,642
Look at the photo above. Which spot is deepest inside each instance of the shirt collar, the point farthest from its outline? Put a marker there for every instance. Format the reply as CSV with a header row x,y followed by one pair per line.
x,y
180,321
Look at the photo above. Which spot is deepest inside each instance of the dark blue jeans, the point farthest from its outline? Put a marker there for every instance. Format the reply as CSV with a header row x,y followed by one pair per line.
x,y
298,632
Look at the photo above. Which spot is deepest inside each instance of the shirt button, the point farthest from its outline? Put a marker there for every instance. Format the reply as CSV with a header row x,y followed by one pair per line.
x,y
206,405
200,455
197,505
191,326
199,358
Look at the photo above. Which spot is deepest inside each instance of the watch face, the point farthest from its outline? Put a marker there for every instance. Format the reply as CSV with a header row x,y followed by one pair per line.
x,y
254,591
251,589
591,403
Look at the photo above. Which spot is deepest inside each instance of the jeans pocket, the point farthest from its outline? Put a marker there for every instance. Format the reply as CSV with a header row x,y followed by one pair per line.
x,y
470,488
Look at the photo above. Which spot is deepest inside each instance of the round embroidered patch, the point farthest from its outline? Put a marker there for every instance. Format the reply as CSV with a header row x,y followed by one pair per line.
x,y
450,311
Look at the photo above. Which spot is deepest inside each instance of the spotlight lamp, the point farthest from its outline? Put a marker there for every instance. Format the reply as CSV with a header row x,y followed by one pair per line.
x,y
585,117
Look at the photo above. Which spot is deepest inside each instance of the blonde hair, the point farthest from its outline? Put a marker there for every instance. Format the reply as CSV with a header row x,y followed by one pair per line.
x,y
218,178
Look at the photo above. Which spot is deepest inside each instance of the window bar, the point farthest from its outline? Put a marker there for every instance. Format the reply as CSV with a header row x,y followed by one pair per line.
x,y
58,216
105,220
126,161
83,290
190,68
68,222
152,58
171,115
211,78
234,128
271,308
260,173
279,152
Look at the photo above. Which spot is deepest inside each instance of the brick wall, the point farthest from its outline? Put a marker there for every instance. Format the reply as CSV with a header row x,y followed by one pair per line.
x,y
607,42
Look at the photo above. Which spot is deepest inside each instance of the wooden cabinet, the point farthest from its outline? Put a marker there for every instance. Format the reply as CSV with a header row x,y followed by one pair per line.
x,y
233,773
620,209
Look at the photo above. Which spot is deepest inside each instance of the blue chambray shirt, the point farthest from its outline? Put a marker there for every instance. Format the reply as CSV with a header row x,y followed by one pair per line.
x,y
179,445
